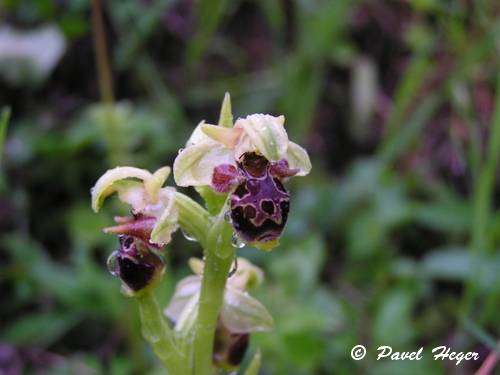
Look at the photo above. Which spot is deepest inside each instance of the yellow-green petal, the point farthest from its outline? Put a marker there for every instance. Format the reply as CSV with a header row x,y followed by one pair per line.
x,y
241,313
166,223
195,164
297,157
104,186
227,136
155,182
267,134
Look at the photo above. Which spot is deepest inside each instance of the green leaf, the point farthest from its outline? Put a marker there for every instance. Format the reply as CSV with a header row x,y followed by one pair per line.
x,y
4,120
393,322
254,366
39,329
298,268
448,263
444,216
208,13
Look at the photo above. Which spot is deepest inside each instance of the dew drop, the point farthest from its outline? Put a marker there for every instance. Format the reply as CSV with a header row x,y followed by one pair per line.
x,y
111,263
237,242
227,216
188,236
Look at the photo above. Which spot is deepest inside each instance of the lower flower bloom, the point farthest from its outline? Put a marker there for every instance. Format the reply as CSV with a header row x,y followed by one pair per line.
x,y
135,264
229,347
240,313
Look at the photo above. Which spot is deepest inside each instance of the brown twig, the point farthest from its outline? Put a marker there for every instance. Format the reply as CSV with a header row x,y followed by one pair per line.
x,y
101,54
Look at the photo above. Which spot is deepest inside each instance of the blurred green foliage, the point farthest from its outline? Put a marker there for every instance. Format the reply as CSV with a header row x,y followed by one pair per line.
x,y
393,239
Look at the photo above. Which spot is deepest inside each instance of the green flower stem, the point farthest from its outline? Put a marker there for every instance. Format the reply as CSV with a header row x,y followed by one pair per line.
x,y
212,292
215,238
159,335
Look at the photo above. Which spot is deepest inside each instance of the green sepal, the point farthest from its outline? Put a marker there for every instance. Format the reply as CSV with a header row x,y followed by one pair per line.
x,y
213,201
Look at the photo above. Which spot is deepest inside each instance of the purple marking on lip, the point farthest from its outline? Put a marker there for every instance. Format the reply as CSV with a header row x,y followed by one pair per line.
x,y
260,203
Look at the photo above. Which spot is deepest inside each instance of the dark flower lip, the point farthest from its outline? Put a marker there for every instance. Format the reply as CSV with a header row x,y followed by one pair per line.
x,y
237,349
259,201
260,205
136,275
253,164
229,348
136,265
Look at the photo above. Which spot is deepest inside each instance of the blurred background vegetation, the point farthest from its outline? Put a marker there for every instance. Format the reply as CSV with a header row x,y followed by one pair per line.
x,y
392,240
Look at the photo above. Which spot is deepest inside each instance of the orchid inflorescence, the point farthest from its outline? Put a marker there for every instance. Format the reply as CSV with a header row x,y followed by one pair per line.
x,y
239,171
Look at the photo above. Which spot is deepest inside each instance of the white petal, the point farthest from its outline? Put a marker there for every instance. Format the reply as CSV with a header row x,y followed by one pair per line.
x,y
247,275
167,220
244,145
297,157
197,135
185,289
267,134
104,186
132,193
195,164
241,313
187,319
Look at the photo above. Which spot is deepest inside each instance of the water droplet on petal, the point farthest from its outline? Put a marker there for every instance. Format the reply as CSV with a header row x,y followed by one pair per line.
x,y
227,216
237,242
112,265
188,236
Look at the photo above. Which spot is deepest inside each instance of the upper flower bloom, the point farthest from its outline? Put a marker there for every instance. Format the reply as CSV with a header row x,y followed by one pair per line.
x,y
249,160
210,146
154,212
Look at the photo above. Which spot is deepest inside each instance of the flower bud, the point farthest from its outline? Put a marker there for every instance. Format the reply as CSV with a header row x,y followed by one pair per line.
x,y
135,264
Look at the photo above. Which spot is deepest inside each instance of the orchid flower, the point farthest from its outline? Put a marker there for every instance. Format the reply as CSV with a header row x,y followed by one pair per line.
x,y
249,160
153,207
240,313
